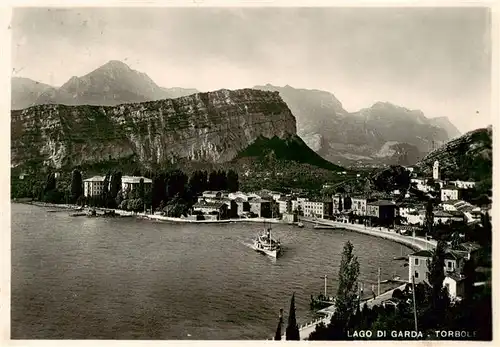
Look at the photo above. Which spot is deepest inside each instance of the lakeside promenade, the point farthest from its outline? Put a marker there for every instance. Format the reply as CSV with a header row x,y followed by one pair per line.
x,y
416,243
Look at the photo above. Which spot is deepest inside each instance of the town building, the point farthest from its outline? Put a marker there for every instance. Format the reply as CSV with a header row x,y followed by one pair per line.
x,y
455,285
93,186
211,210
450,192
232,207
463,184
409,213
129,183
236,195
337,201
419,264
381,211
285,205
242,206
318,209
359,204
415,217
421,184
444,217
470,250
260,207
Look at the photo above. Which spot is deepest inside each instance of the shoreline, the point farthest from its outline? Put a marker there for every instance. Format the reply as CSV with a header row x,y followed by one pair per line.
x,y
307,328
415,243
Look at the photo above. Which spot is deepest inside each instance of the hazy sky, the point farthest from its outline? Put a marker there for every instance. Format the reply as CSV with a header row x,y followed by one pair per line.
x,y
436,60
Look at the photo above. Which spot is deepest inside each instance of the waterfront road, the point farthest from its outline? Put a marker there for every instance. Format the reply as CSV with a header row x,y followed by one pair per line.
x,y
413,242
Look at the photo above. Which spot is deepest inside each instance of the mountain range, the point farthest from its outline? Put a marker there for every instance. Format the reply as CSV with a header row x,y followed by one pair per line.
x,y
383,133
111,84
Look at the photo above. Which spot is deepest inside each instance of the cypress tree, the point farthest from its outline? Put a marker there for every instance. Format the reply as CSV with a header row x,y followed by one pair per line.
x,y
292,329
76,185
436,277
277,336
429,218
141,189
50,184
347,293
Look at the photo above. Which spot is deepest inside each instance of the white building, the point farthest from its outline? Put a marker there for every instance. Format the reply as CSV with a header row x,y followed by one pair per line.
x,y
449,192
455,285
419,264
236,195
93,186
435,171
285,205
421,184
318,209
129,183
359,205
444,217
463,184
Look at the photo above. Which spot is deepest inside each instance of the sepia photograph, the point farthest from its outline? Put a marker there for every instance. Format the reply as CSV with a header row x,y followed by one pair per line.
x,y
251,173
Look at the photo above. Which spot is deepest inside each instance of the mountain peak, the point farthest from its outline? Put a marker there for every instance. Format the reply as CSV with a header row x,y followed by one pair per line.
x,y
116,64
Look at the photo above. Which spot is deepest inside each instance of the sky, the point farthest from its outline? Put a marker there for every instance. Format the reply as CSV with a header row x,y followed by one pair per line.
x,y
437,60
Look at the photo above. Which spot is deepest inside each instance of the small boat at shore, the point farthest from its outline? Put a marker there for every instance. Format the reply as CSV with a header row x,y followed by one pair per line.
x,y
318,226
322,300
78,214
300,224
265,244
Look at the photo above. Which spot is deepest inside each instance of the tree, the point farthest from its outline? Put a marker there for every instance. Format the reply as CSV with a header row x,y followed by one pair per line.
x,y
213,183
429,218
158,190
76,186
105,189
436,277
115,184
292,329
232,181
50,183
277,336
469,271
347,293
141,189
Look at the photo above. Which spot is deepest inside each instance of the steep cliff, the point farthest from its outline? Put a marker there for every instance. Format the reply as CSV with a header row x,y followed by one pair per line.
x,y
204,127
467,157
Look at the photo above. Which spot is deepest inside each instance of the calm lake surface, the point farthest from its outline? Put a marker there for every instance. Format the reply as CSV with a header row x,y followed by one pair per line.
x,y
97,278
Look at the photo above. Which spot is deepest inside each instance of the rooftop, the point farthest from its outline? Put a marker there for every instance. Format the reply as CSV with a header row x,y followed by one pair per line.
x,y
382,203
455,276
216,205
442,214
469,246
95,179
422,253
135,179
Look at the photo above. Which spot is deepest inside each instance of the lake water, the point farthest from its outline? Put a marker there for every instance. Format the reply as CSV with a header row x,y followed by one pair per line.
x,y
96,278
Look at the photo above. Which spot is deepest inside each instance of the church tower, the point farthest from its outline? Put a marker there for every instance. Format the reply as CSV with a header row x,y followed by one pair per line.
x,y
435,171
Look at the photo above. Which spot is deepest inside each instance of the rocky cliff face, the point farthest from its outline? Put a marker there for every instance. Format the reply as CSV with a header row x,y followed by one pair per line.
x,y
205,127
